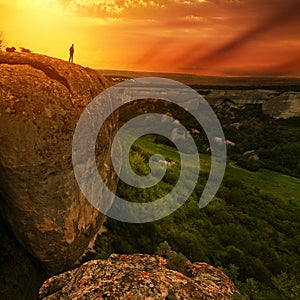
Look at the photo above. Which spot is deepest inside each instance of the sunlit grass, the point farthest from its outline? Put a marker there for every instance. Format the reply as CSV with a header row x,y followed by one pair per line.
x,y
281,186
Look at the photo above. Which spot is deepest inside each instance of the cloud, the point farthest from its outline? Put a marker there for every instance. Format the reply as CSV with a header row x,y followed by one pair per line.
x,y
220,36
104,8
275,20
282,21
289,67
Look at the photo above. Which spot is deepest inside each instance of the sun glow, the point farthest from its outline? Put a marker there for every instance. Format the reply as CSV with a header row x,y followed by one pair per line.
x,y
45,27
159,35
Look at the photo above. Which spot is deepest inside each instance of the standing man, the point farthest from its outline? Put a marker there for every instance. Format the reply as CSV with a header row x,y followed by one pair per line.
x,y
71,53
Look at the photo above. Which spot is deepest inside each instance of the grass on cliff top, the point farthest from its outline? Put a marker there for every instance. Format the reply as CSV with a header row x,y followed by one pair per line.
x,y
283,187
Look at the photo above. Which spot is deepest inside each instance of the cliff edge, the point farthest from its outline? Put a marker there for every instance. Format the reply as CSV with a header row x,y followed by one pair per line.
x,y
41,100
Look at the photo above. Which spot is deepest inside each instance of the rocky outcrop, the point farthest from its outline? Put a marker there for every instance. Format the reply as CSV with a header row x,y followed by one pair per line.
x,y
285,105
138,276
41,99
276,104
278,97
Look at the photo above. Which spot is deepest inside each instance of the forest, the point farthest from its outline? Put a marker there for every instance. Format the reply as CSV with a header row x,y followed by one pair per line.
x,y
250,230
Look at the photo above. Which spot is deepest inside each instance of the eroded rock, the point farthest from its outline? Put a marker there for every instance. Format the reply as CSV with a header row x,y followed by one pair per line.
x,y
275,104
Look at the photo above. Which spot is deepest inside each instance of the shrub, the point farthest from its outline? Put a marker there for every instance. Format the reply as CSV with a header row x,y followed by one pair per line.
x,y
176,262
24,50
11,49
163,249
248,164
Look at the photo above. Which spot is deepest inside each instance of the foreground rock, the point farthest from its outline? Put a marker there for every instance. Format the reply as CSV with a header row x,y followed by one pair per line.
x,y
41,99
138,276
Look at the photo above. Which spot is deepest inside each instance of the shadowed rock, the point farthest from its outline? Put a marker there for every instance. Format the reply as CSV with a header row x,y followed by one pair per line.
x,y
20,274
41,99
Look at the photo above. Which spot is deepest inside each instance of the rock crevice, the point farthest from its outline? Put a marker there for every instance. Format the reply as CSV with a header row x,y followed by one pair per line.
x,y
47,70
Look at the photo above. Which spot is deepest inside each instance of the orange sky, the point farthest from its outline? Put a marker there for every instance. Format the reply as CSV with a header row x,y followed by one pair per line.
x,y
209,37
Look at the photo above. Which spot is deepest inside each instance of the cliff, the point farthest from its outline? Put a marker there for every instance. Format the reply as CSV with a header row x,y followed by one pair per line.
x,y
41,99
278,104
278,97
139,277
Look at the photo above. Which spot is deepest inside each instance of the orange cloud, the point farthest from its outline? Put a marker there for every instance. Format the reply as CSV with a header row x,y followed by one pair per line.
x,y
205,37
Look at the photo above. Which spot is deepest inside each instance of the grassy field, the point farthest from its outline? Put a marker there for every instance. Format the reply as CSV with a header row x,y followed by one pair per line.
x,y
284,187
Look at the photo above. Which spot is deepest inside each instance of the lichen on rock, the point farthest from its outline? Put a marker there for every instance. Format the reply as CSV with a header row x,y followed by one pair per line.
x,y
138,277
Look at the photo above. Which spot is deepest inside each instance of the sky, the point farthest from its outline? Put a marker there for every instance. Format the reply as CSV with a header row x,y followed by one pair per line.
x,y
204,37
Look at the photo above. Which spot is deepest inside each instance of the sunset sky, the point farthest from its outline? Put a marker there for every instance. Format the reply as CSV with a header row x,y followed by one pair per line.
x,y
205,37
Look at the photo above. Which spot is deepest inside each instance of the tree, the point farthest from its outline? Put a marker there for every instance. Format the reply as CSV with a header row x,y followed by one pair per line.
x,y
251,289
1,40
232,271
287,286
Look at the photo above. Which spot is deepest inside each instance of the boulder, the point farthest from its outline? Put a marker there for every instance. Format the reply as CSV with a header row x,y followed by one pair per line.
x,y
139,277
41,100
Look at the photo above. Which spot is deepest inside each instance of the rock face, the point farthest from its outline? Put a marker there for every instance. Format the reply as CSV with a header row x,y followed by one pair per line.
x,y
278,97
20,274
138,276
41,99
276,104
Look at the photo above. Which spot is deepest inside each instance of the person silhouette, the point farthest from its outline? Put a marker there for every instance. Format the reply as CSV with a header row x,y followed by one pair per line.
x,y
71,53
